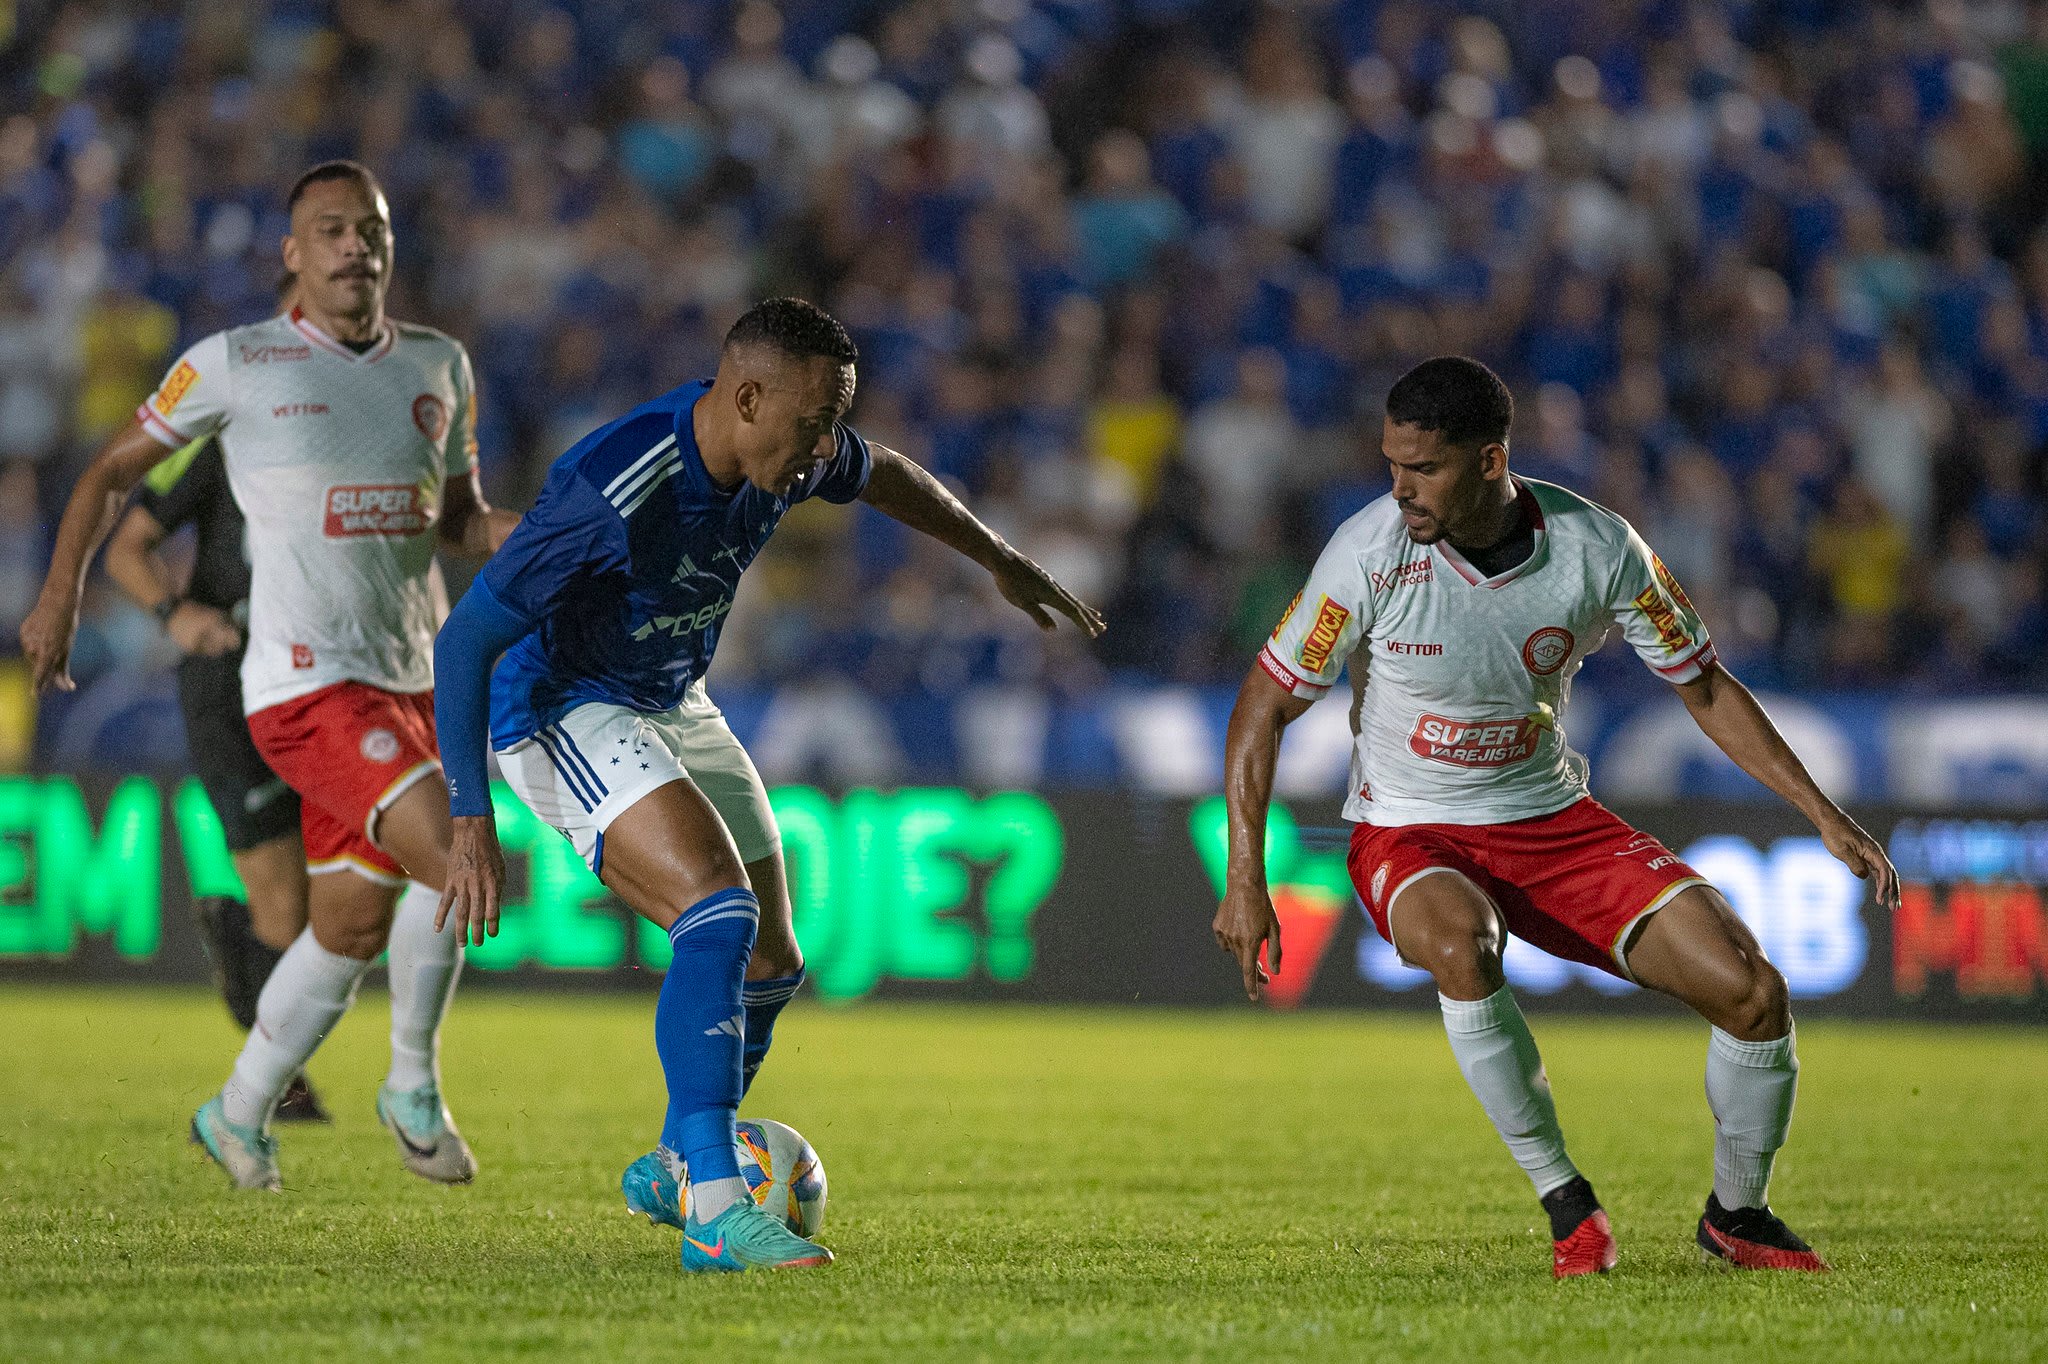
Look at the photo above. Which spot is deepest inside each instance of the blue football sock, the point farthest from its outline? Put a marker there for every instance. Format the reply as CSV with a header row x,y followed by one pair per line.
x,y
764,1000
698,1027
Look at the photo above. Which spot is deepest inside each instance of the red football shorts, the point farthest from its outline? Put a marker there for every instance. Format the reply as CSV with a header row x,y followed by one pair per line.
x,y
349,750
1575,883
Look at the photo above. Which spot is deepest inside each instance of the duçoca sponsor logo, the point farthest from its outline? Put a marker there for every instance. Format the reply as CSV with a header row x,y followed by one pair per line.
x,y
377,509
1477,743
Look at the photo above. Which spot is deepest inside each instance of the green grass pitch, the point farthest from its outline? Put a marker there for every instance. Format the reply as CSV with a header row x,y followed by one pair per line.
x,y
1013,1184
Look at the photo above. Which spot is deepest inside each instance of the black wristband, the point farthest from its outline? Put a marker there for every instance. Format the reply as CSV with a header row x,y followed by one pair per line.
x,y
167,608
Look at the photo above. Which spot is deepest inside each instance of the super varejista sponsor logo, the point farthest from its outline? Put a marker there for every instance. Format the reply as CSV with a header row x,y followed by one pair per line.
x,y
1478,743
377,509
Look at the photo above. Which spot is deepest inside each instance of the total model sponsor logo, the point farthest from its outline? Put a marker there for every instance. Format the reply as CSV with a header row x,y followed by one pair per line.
x,y
275,355
1479,743
1414,573
377,509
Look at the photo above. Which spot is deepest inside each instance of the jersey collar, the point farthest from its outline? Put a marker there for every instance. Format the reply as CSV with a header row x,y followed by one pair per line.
x,y
327,343
1463,567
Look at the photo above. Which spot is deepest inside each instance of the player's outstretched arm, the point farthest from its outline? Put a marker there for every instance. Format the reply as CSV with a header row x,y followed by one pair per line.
x,y
1245,919
475,633
898,487
96,502
1728,714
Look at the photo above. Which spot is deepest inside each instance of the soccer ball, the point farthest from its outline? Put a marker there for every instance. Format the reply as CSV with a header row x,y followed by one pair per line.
x,y
783,1173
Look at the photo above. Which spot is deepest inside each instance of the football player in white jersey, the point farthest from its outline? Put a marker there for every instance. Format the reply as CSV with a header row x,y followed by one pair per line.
x,y
1464,602
349,442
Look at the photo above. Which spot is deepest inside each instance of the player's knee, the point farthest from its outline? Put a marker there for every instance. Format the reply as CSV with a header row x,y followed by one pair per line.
x,y
676,896
362,940
1765,1008
1459,946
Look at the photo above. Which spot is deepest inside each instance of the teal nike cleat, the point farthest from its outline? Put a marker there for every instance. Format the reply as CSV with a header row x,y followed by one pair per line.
x,y
249,1156
746,1237
653,1187
427,1140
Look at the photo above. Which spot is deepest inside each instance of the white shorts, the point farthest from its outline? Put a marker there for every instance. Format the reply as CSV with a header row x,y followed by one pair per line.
x,y
585,770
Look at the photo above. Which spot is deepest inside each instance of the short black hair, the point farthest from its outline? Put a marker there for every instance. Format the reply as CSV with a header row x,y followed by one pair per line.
x,y
1455,395
333,170
798,329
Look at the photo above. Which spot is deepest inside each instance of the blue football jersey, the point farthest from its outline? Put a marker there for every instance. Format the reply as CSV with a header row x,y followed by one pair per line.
x,y
628,564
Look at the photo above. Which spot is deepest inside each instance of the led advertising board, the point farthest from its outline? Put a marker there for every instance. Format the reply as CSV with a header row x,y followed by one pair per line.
x,y
940,892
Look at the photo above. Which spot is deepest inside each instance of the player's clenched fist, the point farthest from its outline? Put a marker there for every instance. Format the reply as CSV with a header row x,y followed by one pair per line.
x,y
476,878
46,639
1244,920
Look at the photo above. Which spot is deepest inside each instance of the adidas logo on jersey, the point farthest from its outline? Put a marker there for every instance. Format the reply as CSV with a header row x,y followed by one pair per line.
x,y
685,571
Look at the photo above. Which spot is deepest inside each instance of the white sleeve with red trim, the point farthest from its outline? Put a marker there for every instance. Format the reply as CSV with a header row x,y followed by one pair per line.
x,y
459,455
1323,624
1655,615
193,400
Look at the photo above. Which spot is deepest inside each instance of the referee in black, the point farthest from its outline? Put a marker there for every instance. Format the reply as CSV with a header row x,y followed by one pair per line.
x,y
258,812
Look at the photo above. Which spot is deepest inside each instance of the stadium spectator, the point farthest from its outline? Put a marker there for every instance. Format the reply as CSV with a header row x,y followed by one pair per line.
x,y
1809,246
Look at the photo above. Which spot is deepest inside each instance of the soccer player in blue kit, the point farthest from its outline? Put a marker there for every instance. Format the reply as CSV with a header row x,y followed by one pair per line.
x,y
606,603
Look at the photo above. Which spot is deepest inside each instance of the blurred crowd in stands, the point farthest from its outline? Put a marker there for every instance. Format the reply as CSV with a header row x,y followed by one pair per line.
x,y
1771,279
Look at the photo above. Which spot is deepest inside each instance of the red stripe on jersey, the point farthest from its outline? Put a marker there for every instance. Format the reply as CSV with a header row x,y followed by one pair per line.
x,y
1287,677
159,428
1693,663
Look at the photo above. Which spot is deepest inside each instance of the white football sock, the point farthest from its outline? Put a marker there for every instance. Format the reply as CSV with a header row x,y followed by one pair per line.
x,y
1494,1048
306,995
713,1196
1750,1087
424,968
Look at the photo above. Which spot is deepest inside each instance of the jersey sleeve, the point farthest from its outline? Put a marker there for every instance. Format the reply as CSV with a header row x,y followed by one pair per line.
x,y
1321,626
571,533
194,398
459,454
843,477
183,485
1655,615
